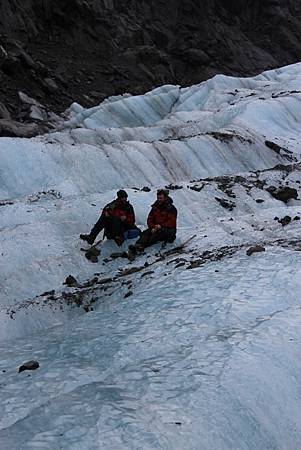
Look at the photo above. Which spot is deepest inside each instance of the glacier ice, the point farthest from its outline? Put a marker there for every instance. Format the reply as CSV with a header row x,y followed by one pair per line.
x,y
201,358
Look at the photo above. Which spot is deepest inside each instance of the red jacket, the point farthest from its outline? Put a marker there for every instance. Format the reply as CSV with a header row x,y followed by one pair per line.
x,y
119,209
164,215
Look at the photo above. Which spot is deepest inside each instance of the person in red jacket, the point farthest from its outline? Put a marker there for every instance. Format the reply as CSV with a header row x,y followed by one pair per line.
x,y
161,222
117,219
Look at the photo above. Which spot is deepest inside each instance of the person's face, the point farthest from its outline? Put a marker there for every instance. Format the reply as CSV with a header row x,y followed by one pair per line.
x,y
123,200
161,198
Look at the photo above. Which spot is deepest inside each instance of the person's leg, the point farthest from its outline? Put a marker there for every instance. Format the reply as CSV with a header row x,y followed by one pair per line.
x,y
162,235
144,239
90,238
140,244
116,230
131,233
148,238
168,234
133,229
156,237
100,224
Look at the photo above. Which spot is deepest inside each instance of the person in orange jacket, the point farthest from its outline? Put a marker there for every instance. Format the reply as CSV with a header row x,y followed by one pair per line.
x,y
117,219
161,222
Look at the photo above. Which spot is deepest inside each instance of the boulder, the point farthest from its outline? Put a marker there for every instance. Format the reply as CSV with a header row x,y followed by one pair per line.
x,y
12,128
37,113
285,193
29,365
273,146
285,220
255,249
29,100
71,281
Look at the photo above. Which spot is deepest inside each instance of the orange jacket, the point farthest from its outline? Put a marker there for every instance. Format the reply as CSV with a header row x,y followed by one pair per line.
x,y
164,214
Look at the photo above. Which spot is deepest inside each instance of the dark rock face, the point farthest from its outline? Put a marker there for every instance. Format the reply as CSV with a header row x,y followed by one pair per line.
x,y
62,50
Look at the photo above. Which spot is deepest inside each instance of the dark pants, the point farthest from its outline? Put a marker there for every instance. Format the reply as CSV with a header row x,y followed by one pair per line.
x,y
148,238
113,227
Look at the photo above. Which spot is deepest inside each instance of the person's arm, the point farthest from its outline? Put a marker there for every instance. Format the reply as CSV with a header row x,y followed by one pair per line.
x,y
171,220
130,216
100,224
108,210
151,219
105,213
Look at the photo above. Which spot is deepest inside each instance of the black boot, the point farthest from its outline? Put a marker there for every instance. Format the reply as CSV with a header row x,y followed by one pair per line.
x,y
88,238
132,252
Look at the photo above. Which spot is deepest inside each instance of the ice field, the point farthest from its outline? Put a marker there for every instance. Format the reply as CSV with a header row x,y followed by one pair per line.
x,y
198,349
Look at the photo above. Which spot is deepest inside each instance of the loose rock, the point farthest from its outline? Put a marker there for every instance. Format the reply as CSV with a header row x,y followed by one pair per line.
x,y
285,193
71,281
128,294
225,203
285,220
255,249
29,365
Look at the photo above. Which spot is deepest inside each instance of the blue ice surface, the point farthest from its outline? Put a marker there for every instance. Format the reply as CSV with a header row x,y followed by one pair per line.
x,y
198,359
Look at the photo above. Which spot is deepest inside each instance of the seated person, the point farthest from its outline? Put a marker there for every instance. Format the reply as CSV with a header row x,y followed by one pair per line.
x,y
161,222
117,220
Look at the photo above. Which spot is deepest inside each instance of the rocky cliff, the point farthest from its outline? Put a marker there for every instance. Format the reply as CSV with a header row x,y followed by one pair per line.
x,y
58,51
